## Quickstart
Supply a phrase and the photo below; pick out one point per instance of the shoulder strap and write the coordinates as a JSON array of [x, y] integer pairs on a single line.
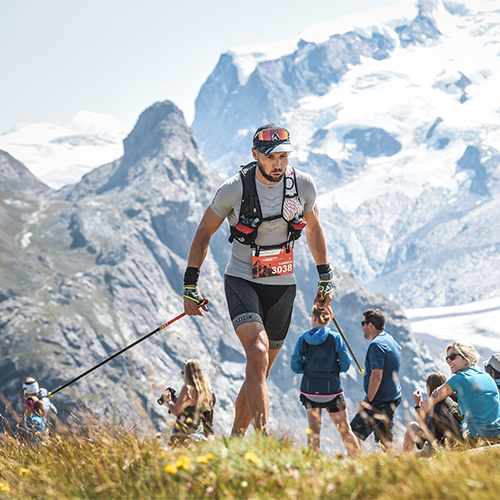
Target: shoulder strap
[[290, 183], [250, 204]]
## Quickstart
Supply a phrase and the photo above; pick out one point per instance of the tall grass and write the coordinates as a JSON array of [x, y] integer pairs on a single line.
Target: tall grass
[[113, 462]]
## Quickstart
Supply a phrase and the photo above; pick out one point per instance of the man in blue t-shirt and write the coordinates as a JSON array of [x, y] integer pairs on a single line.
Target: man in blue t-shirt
[[383, 392]]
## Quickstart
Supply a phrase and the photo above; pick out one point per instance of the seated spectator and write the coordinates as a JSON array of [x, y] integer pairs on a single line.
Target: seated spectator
[[35, 422], [493, 368], [440, 426], [477, 395], [194, 405]]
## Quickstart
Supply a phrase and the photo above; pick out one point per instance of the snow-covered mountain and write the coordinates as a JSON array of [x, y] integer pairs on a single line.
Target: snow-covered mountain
[[476, 323], [63, 155], [395, 112]]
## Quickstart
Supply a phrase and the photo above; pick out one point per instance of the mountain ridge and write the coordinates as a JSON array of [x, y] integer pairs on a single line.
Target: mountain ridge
[[106, 266]]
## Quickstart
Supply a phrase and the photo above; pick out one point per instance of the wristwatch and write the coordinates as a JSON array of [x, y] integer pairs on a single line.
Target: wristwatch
[[418, 406], [169, 400]]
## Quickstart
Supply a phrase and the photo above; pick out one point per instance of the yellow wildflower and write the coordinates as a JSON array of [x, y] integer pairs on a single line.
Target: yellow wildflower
[[172, 468], [4, 487], [183, 462], [163, 454], [23, 472], [252, 457], [204, 459], [309, 431]]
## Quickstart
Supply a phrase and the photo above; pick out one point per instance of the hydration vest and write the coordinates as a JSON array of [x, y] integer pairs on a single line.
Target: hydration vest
[[321, 368], [246, 230]]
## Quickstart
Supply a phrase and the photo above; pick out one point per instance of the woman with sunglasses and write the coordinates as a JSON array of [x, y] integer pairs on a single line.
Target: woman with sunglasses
[[194, 405], [477, 395]]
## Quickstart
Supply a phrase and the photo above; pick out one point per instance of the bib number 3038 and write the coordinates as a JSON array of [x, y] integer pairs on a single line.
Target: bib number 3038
[[275, 262]]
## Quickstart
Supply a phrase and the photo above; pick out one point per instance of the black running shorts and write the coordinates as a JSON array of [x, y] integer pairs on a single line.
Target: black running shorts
[[270, 305], [379, 419], [333, 406]]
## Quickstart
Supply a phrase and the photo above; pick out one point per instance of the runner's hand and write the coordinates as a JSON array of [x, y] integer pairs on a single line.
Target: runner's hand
[[194, 303], [324, 294]]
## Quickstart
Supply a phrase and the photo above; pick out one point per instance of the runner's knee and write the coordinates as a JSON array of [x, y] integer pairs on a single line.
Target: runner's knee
[[258, 357]]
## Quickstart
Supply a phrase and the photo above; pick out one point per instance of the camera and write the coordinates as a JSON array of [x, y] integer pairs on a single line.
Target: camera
[[172, 392]]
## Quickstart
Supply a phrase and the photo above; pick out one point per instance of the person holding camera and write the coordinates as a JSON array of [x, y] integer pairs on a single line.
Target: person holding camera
[[193, 407]]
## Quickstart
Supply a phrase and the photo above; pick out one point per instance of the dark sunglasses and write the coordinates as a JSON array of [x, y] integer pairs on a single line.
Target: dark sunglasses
[[363, 323], [452, 357], [273, 134]]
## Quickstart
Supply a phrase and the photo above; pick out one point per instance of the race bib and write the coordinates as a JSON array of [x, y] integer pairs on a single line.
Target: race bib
[[275, 262]]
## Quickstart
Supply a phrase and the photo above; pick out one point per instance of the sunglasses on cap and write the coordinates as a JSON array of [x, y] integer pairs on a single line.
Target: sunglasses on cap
[[452, 357], [272, 134]]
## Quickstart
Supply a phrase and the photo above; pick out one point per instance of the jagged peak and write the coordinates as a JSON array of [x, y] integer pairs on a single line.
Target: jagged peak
[[161, 144]]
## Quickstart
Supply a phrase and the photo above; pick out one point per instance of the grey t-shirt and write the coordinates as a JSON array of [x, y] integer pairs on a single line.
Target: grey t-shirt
[[227, 202]]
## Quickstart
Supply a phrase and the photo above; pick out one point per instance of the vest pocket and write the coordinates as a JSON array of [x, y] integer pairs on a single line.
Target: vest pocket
[[316, 385]]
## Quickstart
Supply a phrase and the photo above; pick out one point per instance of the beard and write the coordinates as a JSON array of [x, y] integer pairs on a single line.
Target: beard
[[268, 177]]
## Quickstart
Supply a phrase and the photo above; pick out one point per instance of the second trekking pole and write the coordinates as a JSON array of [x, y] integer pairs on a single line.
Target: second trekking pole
[[345, 340], [73, 380]]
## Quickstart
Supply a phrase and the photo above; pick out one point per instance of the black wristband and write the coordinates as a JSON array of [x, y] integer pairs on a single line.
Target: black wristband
[[191, 276], [324, 269]]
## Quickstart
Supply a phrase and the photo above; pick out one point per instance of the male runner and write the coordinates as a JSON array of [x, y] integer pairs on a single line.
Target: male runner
[[267, 205]]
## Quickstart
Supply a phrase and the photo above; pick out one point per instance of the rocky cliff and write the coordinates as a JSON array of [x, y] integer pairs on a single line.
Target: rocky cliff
[[90, 268]]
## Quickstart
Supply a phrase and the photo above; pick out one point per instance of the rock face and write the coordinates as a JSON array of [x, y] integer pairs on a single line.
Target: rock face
[[103, 265], [392, 117]]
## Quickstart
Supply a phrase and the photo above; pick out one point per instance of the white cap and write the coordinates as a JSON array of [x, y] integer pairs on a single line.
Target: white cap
[[494, 362], [31, 389]]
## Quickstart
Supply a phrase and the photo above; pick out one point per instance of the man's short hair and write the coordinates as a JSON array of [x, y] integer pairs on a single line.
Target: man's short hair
[[376, 317]]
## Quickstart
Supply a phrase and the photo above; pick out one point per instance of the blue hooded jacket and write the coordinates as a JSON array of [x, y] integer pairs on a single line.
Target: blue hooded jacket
[[320, 354]]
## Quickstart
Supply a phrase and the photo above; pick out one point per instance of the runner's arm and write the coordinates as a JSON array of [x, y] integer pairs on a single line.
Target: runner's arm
[[201, 239], [315, 237], [317, 246], [198, 252]]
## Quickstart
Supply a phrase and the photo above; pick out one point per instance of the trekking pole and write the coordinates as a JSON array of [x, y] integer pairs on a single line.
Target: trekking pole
[[345, 340], [73, 380]]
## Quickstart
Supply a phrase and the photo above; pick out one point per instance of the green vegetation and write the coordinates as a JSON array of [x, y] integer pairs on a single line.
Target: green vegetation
[[110, 462]]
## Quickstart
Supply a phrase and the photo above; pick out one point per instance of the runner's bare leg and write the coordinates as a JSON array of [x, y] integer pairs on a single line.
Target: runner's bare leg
[[252, 403]]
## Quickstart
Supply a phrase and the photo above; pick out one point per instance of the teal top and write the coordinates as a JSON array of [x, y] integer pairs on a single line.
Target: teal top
[[478, 400]]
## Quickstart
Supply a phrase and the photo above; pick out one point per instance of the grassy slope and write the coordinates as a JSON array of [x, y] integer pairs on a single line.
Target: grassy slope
[[112, 463]]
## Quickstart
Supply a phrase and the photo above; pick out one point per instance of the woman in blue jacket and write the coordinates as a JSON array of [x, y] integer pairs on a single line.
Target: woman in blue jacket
[[321, 355]]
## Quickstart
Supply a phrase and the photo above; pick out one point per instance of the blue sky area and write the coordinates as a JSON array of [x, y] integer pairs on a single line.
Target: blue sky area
[[58, 57]]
